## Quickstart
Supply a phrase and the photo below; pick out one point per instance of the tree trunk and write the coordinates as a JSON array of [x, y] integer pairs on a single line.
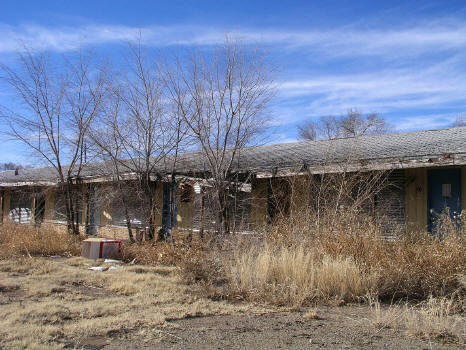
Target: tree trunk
[[223, 215], [72, 225], [151, 187], [128, 223]]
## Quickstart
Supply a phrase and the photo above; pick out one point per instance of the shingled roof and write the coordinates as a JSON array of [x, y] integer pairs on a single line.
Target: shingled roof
[[371, 152]]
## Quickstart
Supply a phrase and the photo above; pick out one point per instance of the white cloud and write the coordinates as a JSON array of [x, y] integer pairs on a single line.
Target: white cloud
[[440, 86], [424, 122], [415, 86], [341, 41]]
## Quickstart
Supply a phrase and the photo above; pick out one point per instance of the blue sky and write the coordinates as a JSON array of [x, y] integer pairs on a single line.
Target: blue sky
[[403, 59]]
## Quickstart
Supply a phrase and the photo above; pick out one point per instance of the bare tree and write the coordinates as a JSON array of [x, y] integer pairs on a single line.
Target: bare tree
[[350, 125], [222, 97], [13, 166], [140, 134], [58, 99], [459, 121]]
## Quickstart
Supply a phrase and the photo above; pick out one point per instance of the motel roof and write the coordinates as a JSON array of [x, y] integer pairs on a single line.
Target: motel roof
[[370, 152]]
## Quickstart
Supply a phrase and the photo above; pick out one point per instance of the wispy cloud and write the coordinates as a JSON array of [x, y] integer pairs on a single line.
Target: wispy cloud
[[425, 69], [439, 86], [341, 41], [423, 122]]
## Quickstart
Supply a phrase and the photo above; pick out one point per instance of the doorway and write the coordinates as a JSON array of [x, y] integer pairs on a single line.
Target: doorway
[[444, 191]]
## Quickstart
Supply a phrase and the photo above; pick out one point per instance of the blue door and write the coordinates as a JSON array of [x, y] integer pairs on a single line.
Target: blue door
[[444, 191], [169, 208]]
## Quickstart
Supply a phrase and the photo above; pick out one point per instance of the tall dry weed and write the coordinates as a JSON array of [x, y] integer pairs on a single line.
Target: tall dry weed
[[24, 240], [344, 259], [295, 275]]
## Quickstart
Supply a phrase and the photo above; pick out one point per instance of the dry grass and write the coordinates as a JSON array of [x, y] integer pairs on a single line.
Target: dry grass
[[46, 304], [342, 260], [433, 319], [413, 266], [23, 240], [294, 275], [299, 263]]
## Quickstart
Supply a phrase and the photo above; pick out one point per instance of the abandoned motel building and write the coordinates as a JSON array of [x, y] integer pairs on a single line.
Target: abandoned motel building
[[426, 171]]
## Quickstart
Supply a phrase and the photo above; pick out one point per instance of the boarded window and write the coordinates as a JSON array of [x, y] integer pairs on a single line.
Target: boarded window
[[20, 206]]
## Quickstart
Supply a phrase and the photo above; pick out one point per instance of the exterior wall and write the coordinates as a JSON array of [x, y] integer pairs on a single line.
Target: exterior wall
[[158, 203], [33, 210], [259, 204], [403, 202], [463, 189], [300, 194], [416, 199], [185, 214], [49, 204], [84, 204], [6, 204]]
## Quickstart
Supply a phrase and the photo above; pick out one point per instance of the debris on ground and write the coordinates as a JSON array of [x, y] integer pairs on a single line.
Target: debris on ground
[[102, 268]]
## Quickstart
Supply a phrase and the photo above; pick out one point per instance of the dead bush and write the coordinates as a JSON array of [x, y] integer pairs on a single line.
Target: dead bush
[[413, 266], [24, 240], [343, 259]]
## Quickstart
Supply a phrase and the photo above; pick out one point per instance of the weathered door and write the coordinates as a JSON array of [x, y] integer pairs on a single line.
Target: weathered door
[[444, 191]]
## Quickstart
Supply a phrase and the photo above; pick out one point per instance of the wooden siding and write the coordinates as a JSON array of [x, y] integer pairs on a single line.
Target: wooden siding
[[416, 199]]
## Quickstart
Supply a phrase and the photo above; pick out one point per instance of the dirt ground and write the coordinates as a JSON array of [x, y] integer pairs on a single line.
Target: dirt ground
[[58, 303], [345, 327]]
